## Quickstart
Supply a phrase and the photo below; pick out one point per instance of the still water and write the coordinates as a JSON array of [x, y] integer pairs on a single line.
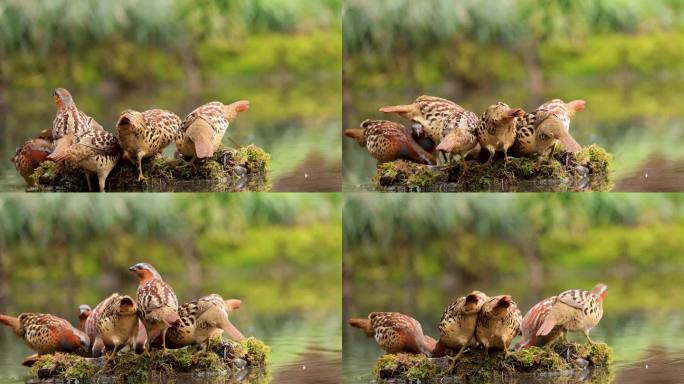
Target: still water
[[648, 343], [637, 122], [286, 120]]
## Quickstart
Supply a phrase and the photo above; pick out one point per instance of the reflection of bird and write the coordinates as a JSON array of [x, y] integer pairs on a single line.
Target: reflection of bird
[[157, 302], [388, 141], [395, 332], [30, 154], [84, 312], [81, 140], [451, 127], [113, 324], [45, 333], [540, 130], [457, 326], [145, 134], [202, 130], [498, 323], [201, 320], [497, 130], [575, 310]]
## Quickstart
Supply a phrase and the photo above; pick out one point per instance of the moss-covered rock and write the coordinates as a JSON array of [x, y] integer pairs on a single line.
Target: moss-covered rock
[[244, 168], [561, 360], [589, 169], [224, 359]]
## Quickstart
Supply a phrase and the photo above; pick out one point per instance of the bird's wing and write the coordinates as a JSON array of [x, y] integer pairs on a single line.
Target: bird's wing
[[101, 141], [574, 298]]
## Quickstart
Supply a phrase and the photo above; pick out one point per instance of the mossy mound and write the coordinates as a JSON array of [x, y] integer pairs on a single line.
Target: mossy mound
[[562, 360], [244, 168], [589, 169], [224, 359]]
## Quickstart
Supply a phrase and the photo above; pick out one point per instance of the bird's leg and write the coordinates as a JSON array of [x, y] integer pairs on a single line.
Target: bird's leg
[[454, 359], [586, 334], [140, 172], [553, 148], [506, 351], [465, 165], [491, 156], [164, 340], [90, 187], [101, 181]]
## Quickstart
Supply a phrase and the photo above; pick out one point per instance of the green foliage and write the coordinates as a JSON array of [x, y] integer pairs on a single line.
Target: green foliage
[[412, 366]]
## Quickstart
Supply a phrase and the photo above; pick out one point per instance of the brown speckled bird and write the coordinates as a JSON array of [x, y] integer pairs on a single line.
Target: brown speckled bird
[[539, 131], [201, 320], [145, 134], [457, 326], [498, 323], [69, 122], [45, 333], [31, 154], [575, 310], [157, 302], [395, 332], [84, 312], [113, 325], [444, 122], [497, 130], [203, 129], [388, 141]]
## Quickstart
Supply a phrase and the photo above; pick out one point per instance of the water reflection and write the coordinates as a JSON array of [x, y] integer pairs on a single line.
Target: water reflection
[[638, 123]]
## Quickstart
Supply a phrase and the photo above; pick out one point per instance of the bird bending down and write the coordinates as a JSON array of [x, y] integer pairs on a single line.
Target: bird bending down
[[45, 333], [457, 326], [498, 323], [203, 129], [388, 141], [112, 325], [395, 332], [575, 310], [497, 130], [539, 131], [157, 303]]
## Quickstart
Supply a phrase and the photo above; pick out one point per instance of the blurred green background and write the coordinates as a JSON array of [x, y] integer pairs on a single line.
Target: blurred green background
[[415, 254], [282, 55], [280, 254], [624, 57]]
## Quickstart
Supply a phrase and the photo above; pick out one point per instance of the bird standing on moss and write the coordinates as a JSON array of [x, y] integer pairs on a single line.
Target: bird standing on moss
[[539, 131], [497, 130], [45, 333], [201, 320], [574, 310], [388, 141], [31, 154], [457, 326], [498, 323], [113, 324], [145, 134], [396, 332], [157, 303], [203, 129]]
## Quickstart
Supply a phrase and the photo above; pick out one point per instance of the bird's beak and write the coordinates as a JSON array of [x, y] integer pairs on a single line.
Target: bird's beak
[[132, 268]]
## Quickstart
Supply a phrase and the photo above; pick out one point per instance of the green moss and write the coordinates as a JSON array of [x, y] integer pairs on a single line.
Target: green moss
[[411, 366], [69, 367], [253, 158], [257, 352], [560, 359], [562, 171]]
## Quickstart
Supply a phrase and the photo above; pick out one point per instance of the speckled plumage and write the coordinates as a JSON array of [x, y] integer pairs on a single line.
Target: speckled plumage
[[145, 134], [395, 332], [387, 141], [457, 326], [31, 154], [113, 324], [45, 333], [498, 128], [539, 131], [203, 129], [202, 319], [498, 323], [575, 310]]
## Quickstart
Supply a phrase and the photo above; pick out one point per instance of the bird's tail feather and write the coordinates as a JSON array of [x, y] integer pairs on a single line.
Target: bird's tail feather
[[363, 324], [547, 326], [397, 108], [233, 304], [10, 321]]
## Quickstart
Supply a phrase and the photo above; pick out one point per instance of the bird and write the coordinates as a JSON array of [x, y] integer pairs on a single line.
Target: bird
[[202, 319], [113, 325], [46, 333], [498, 128], [69, 121], [396, 332], [388, 141], [31, 154], [157, 303], [84, 311], [457, 326], [539, 131], [203, 129], [498, 322], [147, 133], [445, 123], [575, 310]]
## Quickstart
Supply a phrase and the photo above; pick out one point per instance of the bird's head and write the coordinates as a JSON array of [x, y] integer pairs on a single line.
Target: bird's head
[[74, 340], [84, 311], [474, 301], [553, 127], [62, 98], [501, 114], [145, 271]]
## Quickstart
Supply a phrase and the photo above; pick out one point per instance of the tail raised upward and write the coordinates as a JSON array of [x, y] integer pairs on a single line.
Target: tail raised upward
[[11, 322], [363, 324], [233, 304], [356, 134]]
